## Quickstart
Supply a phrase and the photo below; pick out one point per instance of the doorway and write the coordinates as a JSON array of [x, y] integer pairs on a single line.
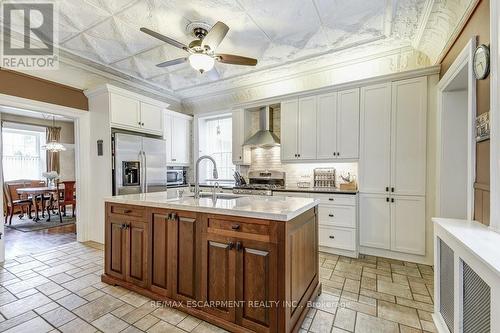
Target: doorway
[[39, 182], [456, 160]]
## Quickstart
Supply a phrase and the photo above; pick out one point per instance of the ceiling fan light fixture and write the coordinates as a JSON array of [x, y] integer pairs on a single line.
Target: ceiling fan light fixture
[[201, 62]]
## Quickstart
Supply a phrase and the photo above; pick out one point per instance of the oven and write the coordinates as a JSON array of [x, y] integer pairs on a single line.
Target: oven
[[176, 176]]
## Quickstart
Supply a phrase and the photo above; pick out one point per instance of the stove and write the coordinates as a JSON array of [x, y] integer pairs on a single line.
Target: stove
[[262, 182]]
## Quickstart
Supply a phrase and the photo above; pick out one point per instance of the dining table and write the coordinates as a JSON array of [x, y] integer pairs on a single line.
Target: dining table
[[34, 193]]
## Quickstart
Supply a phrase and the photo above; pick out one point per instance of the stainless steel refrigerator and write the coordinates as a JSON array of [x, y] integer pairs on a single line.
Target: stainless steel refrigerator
[[139, 164]]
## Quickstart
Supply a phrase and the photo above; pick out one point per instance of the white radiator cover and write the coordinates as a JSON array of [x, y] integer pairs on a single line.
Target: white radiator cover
[[467, 277]]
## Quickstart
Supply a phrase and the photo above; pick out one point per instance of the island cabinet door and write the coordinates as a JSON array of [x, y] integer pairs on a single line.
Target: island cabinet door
[[137, 252], [256, 285], [218, 276], [186, 257], [161, 250], [115, 248]]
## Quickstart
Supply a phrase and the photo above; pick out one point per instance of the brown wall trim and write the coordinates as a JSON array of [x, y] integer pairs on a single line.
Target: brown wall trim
[[30, 87]]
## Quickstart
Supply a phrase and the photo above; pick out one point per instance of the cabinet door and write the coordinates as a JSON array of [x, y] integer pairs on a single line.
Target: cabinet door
[[256, 283], [241, 155], [409, 108], [186, 257], [124, 111], [408, 224], [374, 221], [115, 248], [167, 135], [137, 253], [327, 126], [375, 132], [348, 124], [307, 128], [161, 250], [218, 276], [180, 140], [289, 129], [152, 118]]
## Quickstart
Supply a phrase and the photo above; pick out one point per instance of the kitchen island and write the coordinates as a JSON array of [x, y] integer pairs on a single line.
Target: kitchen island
[[246, 264]]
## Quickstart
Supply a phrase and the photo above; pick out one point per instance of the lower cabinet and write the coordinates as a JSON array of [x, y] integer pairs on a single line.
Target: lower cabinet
[[244, 272], [392, 222], [127, 252]]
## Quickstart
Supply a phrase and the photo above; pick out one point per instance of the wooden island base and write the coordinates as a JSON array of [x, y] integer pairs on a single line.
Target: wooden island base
[[242, 274]]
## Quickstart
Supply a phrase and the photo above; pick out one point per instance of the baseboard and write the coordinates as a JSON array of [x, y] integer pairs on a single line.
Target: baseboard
[[340, 252], [396, 255]]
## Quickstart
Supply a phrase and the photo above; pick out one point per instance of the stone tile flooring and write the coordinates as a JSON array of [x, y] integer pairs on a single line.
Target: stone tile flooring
[[59, 290]]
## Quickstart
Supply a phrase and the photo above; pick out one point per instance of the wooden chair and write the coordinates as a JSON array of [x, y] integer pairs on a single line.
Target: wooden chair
[[45, 200], [66, 196], [15, 203]]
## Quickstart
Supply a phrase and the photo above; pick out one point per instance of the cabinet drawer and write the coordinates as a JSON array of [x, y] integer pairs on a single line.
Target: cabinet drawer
[[340, 216], [237, 227], [126, 210], [339, 238], [335, 199]]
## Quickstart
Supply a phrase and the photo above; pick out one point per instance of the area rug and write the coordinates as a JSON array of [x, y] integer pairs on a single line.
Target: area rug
[[27, 225]]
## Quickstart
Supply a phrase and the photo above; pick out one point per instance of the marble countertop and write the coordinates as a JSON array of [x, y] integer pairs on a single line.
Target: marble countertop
[[480, 240], [255, 206], [315, 190]]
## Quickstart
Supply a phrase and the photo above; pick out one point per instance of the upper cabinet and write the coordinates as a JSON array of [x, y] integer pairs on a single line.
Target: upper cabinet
[[323, 127], [393, 137], [127, 110], [241, 154], [178, 137]]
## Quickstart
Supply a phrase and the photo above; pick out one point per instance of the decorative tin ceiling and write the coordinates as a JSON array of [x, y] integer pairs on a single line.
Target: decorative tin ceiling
[[276, 32]]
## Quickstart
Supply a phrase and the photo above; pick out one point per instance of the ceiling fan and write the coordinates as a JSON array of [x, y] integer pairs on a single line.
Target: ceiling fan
[[202, 55]]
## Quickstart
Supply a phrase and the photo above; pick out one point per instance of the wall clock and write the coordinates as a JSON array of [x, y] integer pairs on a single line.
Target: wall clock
[[481, 62]]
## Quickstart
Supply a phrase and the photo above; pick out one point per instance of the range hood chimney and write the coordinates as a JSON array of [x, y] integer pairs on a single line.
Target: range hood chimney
[[265, 136]]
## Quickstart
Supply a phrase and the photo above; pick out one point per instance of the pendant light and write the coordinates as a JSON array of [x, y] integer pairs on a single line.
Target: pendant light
[[54, 146]]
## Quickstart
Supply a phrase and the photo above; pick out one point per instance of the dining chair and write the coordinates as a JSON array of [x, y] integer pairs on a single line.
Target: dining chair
[[44, 200], [66, 196], [15, 203]]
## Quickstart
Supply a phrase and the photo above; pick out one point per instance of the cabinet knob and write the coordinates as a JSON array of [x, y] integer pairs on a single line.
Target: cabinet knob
[[331, 215], [299, 155], [235, 227], [392, 199], [139, 123], [331, 199], [392, 189], [239, 246], [387, 199], [127, 211], [142, 124], [387, 188], [331, 237], [230, 245], [174, 159]]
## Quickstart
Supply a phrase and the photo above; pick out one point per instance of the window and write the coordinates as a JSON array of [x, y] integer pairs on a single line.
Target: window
[[22, 154], [216, 141]]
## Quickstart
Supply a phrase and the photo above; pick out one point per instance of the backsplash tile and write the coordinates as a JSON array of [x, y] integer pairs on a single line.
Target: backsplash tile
[[269, 158]]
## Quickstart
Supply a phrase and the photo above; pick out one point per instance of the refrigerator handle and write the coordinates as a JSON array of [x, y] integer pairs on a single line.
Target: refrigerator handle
[[141, 170], [145, 173]]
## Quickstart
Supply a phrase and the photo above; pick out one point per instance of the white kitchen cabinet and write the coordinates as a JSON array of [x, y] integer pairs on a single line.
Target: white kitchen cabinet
[[307, 128], [152, 118], [375, 221], [347, 129], [408, 138], [289, 129], [327, 125], [375, 143], [241, 154], [130, 113], [337, 238], [408, 224], [178, 138], [124, 111]]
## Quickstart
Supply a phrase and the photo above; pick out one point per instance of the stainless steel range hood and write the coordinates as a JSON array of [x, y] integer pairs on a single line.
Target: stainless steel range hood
[[265, 136]]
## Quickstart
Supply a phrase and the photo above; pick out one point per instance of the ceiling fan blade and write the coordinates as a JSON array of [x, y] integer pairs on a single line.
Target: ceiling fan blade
[[166, 39], [236, 59], [215, 36], [172, 62]]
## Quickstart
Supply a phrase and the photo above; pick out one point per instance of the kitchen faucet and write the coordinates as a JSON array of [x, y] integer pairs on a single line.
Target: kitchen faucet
[[197, 174]]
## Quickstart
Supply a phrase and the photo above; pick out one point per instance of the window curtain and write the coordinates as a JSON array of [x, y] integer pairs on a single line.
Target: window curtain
[[53, 134]]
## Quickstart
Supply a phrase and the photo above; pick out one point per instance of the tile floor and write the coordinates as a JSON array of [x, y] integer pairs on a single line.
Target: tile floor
[[59, 290]]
